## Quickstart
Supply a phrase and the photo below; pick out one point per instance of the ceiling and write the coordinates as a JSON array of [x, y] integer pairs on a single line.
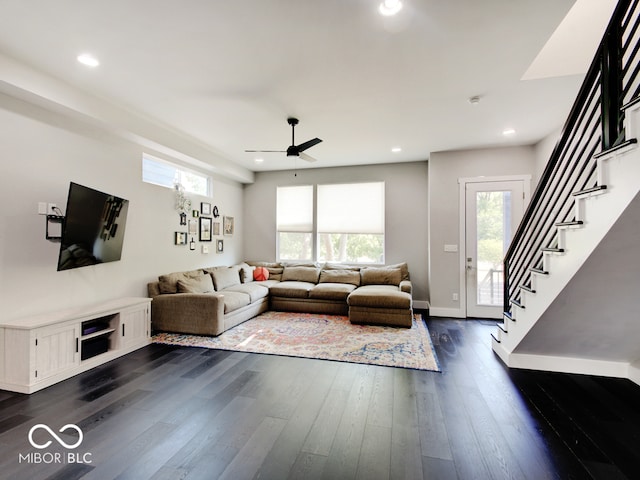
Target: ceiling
[[227, 74]]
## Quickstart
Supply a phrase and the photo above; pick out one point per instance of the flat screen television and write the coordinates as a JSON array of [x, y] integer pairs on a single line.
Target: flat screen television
[[93, 228]]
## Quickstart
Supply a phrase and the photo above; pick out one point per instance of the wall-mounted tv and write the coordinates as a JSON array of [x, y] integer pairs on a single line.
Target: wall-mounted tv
[[93, 228]]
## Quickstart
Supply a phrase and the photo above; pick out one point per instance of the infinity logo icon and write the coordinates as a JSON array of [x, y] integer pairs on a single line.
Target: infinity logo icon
[[53, 434]]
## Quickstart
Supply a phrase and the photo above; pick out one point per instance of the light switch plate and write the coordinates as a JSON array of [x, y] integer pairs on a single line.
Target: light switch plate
[[451, 248]]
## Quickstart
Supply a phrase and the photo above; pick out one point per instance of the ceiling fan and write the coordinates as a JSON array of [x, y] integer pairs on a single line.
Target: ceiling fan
[[294, 150]]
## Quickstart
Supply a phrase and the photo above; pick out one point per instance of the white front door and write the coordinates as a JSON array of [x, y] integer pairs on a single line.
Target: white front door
[[493, 210]]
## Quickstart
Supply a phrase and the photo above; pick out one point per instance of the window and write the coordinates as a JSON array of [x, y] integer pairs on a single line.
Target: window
[[166, 174], [350, 223], [347, 226], [294, 218]]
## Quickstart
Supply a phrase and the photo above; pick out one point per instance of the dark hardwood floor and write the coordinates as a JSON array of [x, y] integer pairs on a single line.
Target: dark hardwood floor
[[172, 413]]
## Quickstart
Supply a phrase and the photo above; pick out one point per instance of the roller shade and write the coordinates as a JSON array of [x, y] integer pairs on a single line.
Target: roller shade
[[351, 208], [295, 209]]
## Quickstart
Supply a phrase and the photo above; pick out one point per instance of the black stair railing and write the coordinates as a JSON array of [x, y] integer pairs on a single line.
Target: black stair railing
[[595, 124]]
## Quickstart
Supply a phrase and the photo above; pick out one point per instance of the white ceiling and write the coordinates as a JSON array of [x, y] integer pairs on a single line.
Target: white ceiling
[[229, 73]]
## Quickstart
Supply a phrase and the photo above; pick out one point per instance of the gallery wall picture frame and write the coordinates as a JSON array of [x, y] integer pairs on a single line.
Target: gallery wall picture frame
[[205, 229], [180, 238], [216, 228], [227, 225], [205, 208], [195, 213], [219, 245], [193, 227]]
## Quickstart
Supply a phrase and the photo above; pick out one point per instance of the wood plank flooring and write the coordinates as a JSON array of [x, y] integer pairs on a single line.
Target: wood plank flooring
[[183, 413]]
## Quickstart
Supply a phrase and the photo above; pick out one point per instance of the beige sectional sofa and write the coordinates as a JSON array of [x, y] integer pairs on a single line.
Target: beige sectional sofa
[[212, 300]]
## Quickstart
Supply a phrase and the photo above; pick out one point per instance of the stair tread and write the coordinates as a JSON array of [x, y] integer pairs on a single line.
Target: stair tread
[[508, 316], [501, 327], [589, 190], [494, 337], [552, 250], [538, 270], [572, 223], [517, 303], [631, 103], [527, 288], [621, 146]]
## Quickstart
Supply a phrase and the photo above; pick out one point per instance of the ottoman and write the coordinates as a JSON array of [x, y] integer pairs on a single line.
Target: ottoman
[[380, 305]]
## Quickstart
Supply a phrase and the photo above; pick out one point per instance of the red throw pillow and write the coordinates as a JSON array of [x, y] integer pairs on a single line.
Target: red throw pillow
[[260, 274]]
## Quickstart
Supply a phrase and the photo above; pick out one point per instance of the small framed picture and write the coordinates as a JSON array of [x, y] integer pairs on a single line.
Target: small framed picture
[[180, 238], [228, 225], [193, 227], [219, 246], [195, 213], [205, 229], [216, 228], [205, 208]]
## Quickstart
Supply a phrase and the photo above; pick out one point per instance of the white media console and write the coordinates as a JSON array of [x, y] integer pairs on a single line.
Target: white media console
[[41, 350]]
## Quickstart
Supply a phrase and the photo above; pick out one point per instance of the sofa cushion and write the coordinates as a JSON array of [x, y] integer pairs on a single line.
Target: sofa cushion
[[404, 269], [201, 284], [292, 289], [340, 276], [226, 277], [234, 300], [253, 289], [379, 296], [246, 273], [381, 276], [169, 283], [301, 274], [331, 291]]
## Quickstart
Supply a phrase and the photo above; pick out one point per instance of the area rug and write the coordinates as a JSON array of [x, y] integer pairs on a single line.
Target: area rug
[[326, 337]]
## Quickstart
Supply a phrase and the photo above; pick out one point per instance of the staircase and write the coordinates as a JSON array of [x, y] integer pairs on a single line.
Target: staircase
[[572, 272]]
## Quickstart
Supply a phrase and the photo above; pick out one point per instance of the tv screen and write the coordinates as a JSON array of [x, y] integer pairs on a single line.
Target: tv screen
[[93, 228]]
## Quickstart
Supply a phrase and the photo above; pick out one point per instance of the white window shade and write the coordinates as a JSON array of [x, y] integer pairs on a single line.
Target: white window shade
[[295, 209], [351, 208]]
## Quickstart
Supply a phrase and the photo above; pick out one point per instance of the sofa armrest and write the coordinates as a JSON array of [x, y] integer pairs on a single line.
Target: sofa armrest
[[192, 313], [405, 286]]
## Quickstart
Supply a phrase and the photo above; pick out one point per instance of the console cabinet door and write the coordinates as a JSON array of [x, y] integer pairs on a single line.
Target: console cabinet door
[[56, 350], [134, 326]]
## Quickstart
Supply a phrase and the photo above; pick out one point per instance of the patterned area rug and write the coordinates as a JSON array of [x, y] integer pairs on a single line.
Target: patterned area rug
[[327, 337]]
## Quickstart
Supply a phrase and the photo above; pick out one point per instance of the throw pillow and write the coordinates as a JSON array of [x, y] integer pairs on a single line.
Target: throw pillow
[[340, 276], [381, 276], [169, 282], [226, 277], [260, 274], [301, 274], [246, 273], [201, 284]]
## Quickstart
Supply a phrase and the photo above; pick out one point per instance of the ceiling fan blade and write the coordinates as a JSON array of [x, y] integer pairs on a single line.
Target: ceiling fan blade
[[265, 151], [306, 157], [303, 146]]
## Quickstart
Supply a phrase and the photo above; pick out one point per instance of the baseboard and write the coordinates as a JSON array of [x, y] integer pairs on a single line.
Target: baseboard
[[421, 304], [634, 373], [446, 312], [582, 366]]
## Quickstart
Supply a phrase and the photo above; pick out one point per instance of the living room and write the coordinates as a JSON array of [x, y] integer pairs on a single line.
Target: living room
[[56, 131]]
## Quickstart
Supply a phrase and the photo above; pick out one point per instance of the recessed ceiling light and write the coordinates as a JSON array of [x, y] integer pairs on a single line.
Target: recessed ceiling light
[[509, 131], [259, 160], [88, 60], [396, 149], [390, 7]]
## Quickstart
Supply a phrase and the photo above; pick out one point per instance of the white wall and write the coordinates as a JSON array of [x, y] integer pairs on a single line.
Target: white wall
[[445, 168], [543, 150], [41, 152], [406, 205]]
